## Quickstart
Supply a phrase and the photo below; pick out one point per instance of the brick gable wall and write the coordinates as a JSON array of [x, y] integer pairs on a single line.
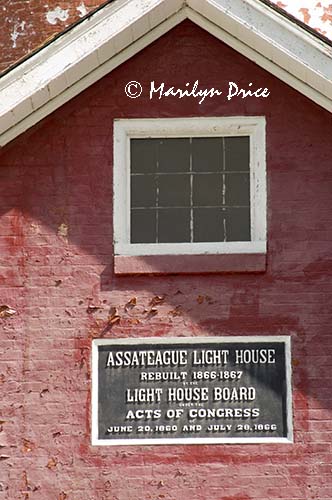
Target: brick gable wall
[[56, 272]]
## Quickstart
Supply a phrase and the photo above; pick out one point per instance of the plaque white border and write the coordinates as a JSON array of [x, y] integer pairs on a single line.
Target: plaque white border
[[95, 441]]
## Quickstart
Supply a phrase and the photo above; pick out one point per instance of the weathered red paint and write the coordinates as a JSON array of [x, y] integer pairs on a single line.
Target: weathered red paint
[[25, 25], [56, 257]]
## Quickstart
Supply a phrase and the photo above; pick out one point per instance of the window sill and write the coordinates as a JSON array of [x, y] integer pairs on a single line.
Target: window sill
[[190, 264]]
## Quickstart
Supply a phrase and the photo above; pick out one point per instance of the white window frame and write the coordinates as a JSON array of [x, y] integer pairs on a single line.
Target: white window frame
[[126, 129]]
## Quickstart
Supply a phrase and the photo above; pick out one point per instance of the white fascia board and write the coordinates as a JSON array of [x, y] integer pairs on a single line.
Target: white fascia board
[[58, 98], [103, 26], [276, 39], [75, 54], [108, 38]]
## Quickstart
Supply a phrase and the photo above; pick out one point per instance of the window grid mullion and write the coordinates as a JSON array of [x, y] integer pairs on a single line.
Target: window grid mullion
[[191, 192], [157, 194], [160, 207], [146, 174], [223, 189]]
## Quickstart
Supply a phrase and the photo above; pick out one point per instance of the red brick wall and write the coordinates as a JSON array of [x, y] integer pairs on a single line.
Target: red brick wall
[[56, 263]]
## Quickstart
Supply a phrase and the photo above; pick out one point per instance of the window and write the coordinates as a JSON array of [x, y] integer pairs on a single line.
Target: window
[[192, 186]]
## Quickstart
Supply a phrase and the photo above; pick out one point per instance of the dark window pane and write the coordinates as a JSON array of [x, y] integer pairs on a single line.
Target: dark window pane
[[237, 189], [208, 224], [174, 155], [143, 155], [237, 222], [174, 190], [207, 154], [143, 191], [207, 189], [237, 153], [174, 225], [143, 226], [219, 194]]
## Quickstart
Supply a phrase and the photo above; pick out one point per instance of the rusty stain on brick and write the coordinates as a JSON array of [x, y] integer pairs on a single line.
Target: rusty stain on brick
[[52, 463], [27, 487], [133, 321], [157, 300], [6, 311], [130, 304], [28, 446], [152, 312], [200, 299], [177, 311], [98, 327], [43, 392], [63, 230], [92, 308]]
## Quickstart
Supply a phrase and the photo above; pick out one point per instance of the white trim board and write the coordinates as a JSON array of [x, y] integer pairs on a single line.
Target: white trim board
[[82, 56]]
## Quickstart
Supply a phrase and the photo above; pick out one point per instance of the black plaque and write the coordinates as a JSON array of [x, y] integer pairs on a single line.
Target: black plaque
[[148, 391]]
